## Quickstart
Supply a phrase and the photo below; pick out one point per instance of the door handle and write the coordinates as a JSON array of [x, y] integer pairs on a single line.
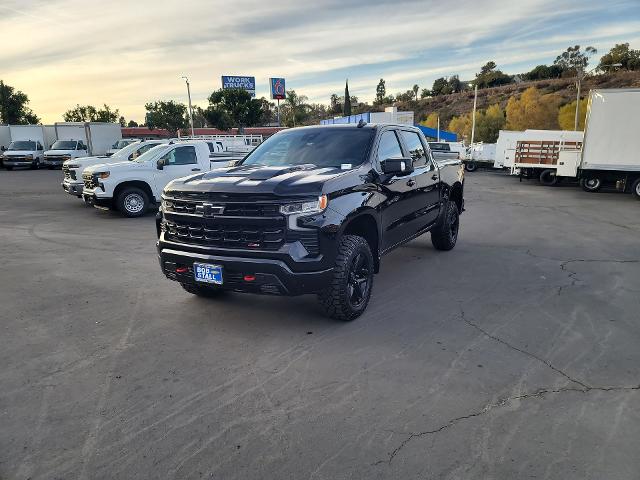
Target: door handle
[[195, 169], [434, 176], [411, 183]]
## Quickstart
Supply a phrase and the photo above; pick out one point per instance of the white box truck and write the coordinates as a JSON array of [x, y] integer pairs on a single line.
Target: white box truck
[[81, 139], [5, 140], [610, 155], [28, 143]]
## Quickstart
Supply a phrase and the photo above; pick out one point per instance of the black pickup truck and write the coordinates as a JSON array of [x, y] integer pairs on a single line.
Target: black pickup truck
[[311, 210]]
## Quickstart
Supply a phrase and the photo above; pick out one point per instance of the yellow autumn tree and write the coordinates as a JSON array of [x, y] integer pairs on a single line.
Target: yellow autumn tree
[[431, 121], [567, 115], [489, 123], [533, 110], [462, 126]]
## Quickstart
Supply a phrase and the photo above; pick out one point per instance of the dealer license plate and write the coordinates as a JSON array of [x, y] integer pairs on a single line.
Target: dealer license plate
[[207, 273]]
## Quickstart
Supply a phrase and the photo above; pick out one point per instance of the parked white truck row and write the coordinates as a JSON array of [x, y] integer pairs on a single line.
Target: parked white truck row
[[34, 146]]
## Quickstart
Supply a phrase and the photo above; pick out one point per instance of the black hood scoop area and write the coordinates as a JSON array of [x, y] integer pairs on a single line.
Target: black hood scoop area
[[265, 173]]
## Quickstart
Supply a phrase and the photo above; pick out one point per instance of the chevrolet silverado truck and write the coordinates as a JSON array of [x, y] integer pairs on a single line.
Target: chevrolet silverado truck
[[131, 187], [311, 210], [72, 169]]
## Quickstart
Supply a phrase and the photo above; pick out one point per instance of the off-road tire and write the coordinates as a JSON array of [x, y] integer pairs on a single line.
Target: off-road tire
[[132, 202], [201, 291], [337, 300], [445, 234], [549, 178]]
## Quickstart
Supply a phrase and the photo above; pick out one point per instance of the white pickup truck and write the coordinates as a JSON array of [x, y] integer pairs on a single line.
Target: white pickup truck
[[72, 169], [132, 186]]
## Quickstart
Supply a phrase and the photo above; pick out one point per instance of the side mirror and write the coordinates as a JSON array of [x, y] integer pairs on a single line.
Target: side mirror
[[161, 164], [397, 166]]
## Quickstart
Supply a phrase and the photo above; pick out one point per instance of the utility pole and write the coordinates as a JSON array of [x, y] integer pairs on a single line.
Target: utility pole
[[186, 79], [473, 119]]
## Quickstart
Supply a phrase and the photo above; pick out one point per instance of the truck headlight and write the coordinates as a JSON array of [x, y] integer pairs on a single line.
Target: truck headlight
[[314, 206], [29, 156], [102, 175]]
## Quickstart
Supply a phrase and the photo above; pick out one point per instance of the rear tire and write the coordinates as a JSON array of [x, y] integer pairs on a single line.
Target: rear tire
[[471, 166], [201, 291], [591, 184], [445, 234], [635, 189], [349, 291], [548, 177], [132, 202]]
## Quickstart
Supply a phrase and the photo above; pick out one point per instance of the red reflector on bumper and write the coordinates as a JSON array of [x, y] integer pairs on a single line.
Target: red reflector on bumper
[[182, 270], [249, 278]]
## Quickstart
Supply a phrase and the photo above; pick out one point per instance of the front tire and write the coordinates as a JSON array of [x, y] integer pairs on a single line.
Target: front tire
[[445, 234], [132, 202], [635, 189], [35, 165], [592, 184], [349, 291], [471, 166]]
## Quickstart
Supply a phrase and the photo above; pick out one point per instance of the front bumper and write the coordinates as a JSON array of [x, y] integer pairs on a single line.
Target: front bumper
[[18, 162], [91, 197], [73, 188], [267, 275], [54, 162]]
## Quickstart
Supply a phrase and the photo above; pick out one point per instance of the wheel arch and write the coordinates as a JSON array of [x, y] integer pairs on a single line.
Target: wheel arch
[[141, 184], [366, 225]]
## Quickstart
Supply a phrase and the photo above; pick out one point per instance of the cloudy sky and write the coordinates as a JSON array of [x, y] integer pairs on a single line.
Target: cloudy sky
[[126, 53]]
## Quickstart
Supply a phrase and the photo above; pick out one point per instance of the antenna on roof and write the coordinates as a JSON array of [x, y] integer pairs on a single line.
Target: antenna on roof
[[361, 123]]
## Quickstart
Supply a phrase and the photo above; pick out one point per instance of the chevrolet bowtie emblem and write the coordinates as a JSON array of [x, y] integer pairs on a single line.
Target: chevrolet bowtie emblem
[[209, 210]]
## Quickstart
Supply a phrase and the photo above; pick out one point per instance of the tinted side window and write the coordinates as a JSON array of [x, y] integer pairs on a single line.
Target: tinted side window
[[182, 156], [389, 147], [415, 147]]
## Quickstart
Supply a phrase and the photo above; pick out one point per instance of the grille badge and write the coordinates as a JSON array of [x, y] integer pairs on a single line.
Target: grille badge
[[209, 210]]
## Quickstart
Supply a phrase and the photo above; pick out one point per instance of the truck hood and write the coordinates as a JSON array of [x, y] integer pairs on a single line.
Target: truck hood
[[292, 180], [19, 153], [85, 162], [118, 165], [59, 152]]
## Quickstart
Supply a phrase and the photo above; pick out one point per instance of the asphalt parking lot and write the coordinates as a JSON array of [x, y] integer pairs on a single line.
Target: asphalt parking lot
[[516, 355]]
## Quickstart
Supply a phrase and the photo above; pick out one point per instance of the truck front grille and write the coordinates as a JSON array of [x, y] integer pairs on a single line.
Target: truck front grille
[[89, 181], [238, 209], [68, 173], [213, 234]]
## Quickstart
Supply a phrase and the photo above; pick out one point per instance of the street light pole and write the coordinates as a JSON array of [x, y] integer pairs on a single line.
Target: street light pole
[[473, 119], [186, 79]]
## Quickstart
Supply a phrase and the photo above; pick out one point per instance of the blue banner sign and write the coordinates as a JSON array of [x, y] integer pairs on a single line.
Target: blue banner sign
[[245, 83], [277, 88]]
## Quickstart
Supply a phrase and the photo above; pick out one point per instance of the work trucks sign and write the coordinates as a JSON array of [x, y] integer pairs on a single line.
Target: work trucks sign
[[244, 83]]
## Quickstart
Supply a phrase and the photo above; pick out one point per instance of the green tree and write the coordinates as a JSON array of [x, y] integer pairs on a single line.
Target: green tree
[[489, 123], [415, 89], [132, 123], [233, 107], [440, 87], [295, 108], [622, 54], [489, 76], [543, 72], [89, 113], [574, 59], [169, 115], [533, 110], [455, 85], [347, 100], [567, 115], [425, 93], [381, 92], [13, 107]]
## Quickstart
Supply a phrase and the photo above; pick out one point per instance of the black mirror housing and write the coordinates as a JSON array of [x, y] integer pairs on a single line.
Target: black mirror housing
[[397, 166]]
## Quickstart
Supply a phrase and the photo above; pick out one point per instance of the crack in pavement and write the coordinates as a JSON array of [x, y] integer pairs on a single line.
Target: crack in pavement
[[524, 352], [540, 393]]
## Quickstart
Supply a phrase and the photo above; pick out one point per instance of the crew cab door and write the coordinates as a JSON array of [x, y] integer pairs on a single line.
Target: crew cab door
[[426, 202], [178, 162], [397, 211]]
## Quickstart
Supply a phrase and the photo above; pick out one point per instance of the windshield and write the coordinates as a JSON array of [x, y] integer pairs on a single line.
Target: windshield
[[22, 145], [149, 154], [64, 145], [320, 146], [121, 144]]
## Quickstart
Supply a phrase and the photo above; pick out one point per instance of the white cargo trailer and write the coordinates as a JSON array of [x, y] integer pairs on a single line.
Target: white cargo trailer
[[81, 139], [610, 155], [480, 155]]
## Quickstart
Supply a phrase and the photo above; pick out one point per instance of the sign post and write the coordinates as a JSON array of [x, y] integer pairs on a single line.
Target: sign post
[[278, 92]]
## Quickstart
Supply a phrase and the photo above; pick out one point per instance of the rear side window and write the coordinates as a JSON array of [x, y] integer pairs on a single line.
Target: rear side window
[[440, 147], [416, 148], [389, 147]]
